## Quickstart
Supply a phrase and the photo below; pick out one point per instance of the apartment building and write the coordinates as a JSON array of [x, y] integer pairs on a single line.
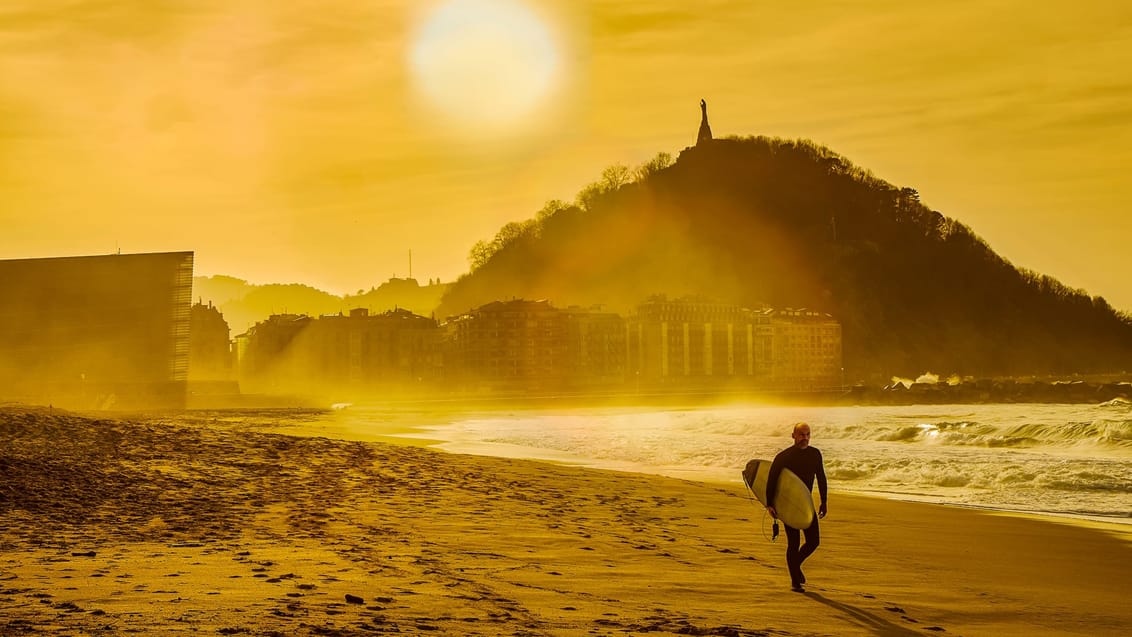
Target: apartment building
[[507, 346], [697, 343], [805, 349], [523, 346], [354, 353], [210, 351]]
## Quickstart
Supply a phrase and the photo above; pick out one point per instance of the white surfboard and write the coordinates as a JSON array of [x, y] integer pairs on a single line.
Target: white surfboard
[[793, 502]]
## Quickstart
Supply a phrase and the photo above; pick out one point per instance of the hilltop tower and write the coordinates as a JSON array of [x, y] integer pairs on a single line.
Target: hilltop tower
[[705, 130]]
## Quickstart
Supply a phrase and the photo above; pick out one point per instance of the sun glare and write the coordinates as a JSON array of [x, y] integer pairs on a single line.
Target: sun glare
[[484, 65]]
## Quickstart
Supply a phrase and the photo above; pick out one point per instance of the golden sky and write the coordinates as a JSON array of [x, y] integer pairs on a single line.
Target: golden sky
[[318, 141]]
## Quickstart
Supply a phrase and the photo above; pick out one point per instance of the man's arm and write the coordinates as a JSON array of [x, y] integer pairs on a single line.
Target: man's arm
[[823, 487]]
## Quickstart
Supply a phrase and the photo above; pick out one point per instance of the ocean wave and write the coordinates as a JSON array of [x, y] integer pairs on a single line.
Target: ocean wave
[[1020, 457], [1014, 476], [914, 432], [986, 475], [1016, 426], [1086, 481], [945, 479], [1096, 433], [846, 474]]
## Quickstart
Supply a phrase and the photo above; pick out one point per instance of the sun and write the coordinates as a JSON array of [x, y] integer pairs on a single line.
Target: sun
[[484, 65]]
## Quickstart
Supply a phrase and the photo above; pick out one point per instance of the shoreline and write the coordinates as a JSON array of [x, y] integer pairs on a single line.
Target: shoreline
[[136, 525], [419, 431], [411, 423]]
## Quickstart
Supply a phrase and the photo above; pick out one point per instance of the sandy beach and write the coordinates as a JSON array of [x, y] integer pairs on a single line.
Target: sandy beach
[[138, 526]]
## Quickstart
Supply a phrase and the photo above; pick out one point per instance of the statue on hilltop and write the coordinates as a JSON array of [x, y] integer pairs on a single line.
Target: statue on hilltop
[[705, 130]]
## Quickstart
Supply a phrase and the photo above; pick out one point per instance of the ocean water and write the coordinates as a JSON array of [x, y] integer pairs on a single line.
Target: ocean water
[[1065, 460], [1057, 459]]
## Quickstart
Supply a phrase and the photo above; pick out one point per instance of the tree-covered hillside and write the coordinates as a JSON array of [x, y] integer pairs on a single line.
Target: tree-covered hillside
[[758, 221]]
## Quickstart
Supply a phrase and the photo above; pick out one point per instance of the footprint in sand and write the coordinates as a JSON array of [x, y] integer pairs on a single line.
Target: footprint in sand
[[905, 617]]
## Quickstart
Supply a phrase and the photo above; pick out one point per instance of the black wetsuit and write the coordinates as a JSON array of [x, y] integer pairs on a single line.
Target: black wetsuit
[[806, 464]]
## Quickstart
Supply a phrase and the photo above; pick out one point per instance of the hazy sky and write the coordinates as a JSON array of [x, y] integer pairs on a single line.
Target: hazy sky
[[318, 141]]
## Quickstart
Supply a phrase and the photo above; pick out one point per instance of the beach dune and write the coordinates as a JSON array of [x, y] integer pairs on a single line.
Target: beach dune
[[213, 527]]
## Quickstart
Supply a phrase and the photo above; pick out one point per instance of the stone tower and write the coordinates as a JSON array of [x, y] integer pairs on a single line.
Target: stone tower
[[705, 130]]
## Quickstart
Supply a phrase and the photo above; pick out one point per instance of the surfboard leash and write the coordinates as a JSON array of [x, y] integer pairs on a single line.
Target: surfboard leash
[[774, 529]]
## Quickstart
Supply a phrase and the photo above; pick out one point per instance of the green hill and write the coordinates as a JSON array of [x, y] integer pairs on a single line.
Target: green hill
[[759, 221]]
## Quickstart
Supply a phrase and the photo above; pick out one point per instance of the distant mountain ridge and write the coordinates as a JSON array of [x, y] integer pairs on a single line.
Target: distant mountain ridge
[[759, 221], [244, 304]]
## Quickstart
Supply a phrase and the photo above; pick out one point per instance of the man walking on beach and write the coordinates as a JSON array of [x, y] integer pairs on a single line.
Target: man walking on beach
[[806, 463]]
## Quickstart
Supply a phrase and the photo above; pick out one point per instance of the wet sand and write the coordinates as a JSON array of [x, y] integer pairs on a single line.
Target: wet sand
[[215, 527]]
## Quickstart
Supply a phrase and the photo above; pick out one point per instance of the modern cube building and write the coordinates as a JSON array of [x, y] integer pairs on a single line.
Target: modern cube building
[[109, 331]]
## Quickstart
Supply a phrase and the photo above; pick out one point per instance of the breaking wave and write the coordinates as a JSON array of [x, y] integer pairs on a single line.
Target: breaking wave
[[1049, 458]]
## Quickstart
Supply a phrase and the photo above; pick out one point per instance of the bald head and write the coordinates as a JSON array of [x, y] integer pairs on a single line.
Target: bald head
[[801, 435]]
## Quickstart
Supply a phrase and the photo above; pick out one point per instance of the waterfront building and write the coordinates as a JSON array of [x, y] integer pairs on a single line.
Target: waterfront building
[[210, 350], [105, 331], [805, 349], [597, 358], [531, 347], [355, 354], [515, 345], [694, 343]]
